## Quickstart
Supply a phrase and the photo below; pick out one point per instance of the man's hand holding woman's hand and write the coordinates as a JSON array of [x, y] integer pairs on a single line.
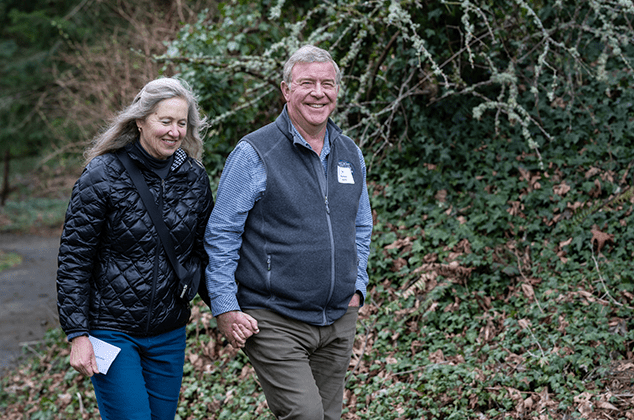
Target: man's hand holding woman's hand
[[237, 327]]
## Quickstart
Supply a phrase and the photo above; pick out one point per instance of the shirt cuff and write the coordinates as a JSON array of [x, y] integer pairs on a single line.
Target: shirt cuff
[[361, 289], [224, 303]]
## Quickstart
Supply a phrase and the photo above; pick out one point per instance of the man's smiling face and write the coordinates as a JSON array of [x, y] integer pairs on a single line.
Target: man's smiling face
[[312, 95]]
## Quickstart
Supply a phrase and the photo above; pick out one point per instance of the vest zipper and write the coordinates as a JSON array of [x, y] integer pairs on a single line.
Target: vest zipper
[[268, 272], [322, 174]]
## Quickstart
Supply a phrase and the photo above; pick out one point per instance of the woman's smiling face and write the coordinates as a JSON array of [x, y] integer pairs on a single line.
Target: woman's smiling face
[[163, 131]]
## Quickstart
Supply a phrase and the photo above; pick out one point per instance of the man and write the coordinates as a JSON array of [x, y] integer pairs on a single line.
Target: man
[[288, 241]]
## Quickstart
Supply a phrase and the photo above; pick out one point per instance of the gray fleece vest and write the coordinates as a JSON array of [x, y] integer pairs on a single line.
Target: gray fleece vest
[[298, 255]]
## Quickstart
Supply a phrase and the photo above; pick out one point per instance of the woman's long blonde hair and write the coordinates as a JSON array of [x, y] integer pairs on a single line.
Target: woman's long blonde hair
[[123, 129]]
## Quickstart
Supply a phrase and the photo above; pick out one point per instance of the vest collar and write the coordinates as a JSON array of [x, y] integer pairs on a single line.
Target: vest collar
[[285, 125]]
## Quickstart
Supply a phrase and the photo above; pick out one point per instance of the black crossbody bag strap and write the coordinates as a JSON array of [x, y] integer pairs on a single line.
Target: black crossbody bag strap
[[153, 211]]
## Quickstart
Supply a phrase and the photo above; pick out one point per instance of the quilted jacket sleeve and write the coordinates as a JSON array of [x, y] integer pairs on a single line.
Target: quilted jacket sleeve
[[85, 219], [202, 222]]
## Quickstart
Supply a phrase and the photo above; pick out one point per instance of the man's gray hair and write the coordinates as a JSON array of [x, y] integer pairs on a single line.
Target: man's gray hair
[[309, 54]]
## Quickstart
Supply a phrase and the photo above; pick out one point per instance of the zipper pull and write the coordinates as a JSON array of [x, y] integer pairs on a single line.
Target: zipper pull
[[327, 206], [268, 263], [183, 292]]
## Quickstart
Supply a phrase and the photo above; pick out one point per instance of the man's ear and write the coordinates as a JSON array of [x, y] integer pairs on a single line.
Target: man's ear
[[286, 90]]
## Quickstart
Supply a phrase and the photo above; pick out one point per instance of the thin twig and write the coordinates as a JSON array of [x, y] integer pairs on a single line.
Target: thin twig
[[27, 345], [519, 267], [596, 265], [537, 342], [81, 403]]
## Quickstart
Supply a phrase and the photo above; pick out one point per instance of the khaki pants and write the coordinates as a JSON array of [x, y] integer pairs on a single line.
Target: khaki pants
[[302, 367]]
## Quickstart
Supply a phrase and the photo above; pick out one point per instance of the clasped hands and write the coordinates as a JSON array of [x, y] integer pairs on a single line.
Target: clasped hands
[[237, 327]]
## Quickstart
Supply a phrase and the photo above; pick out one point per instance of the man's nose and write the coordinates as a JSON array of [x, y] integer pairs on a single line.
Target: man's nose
[[318, 90]]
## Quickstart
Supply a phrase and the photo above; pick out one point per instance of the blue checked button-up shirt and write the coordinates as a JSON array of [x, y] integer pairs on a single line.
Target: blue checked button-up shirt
[[242, 183]]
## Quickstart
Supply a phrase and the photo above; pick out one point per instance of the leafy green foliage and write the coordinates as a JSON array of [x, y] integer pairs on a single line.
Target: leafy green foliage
[[32, 214], [8, 260], [487, 290], [66, 66], [38, 196], [28, 41], [497, 137]]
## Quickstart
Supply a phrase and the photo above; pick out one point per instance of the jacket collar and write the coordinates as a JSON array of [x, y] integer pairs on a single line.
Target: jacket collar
[[179, 157]]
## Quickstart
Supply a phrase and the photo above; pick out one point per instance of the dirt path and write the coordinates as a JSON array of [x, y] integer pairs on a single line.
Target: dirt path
[[27, 294]]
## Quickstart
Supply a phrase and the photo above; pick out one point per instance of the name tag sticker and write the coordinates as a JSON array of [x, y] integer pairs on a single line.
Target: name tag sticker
[[344, 173]]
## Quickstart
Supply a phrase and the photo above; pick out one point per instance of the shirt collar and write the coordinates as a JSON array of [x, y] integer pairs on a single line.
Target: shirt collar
[[298, 138]]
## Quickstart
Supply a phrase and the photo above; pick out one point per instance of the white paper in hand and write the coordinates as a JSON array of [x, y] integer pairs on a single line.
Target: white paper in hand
[[105, 353]]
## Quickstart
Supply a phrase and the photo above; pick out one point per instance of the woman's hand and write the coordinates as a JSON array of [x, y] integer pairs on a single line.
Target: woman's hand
[[237, 327], [82, 356]]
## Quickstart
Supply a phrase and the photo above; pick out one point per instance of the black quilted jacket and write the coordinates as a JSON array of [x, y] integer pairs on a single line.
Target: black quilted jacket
[[113, 272]]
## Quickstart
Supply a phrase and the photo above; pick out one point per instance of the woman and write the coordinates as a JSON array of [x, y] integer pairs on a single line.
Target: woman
[[114, 280]]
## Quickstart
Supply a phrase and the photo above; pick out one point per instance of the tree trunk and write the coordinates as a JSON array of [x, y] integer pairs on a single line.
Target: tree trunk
[[5, 178]]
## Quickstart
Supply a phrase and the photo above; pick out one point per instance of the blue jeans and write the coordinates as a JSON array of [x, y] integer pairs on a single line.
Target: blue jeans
[[144, 381]]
